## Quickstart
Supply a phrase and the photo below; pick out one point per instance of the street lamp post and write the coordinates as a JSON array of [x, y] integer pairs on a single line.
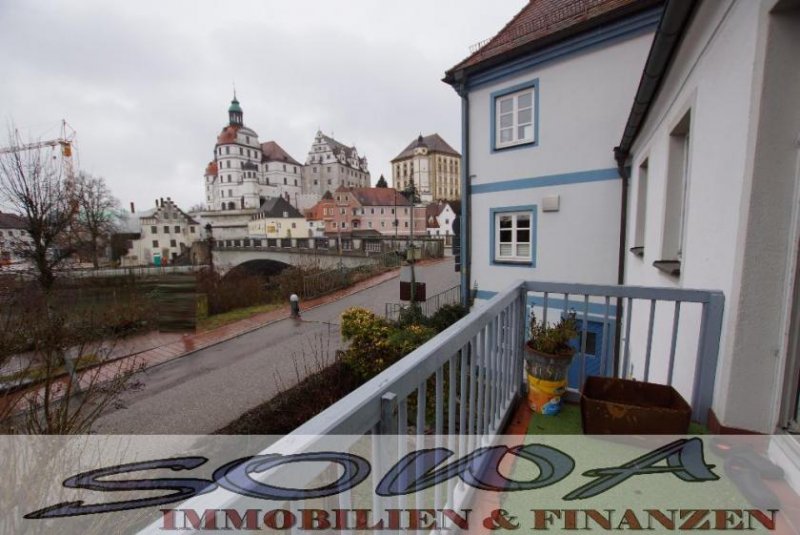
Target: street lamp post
[[210, 242], [411, 191]]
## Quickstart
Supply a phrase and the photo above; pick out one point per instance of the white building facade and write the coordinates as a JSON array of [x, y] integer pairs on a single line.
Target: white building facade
[[244, 173], [165, 234], [440, 221], [432, 165], [714, 201], [278, 219], [13, 240], [542, 191], [331, 165]]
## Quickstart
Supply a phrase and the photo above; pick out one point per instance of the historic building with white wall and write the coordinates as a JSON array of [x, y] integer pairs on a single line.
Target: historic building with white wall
[[714, 196], [13, 240], [244, 173], [277, 218], [432, 165], [703, 191], [541, 189], [441, 218], [331, 165], [165, 233]]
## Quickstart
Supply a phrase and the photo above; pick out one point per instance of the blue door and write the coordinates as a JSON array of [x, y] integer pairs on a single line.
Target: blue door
[[596, 355]]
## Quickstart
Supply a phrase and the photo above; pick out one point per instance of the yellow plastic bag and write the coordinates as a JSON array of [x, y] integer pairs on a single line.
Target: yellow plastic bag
[[544, 396]]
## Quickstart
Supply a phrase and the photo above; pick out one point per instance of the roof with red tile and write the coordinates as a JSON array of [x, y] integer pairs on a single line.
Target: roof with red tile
[[272, 152], [211, 168], [317, 212], [228, 135], [543, 22], [433, 209], [379, 197]]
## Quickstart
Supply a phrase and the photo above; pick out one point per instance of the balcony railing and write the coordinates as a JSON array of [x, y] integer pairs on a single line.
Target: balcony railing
[[468, 379], [474, 370]]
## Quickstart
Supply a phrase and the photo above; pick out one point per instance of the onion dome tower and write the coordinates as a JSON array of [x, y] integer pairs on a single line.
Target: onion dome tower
[[235, 112]]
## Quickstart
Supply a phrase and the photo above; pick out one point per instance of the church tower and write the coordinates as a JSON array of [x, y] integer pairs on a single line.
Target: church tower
[[235, 112]]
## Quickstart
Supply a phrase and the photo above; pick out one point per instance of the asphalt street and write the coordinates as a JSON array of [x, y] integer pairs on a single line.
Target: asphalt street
[[203, 391]]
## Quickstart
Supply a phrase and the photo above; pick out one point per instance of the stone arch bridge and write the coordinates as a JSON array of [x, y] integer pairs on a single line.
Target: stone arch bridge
[[325, 253]]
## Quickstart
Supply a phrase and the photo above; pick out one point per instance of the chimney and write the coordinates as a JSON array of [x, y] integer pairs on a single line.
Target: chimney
[[156, 203], [133, 210]]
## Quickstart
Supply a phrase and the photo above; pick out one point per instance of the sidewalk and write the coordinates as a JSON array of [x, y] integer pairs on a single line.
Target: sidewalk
[[189, 343]]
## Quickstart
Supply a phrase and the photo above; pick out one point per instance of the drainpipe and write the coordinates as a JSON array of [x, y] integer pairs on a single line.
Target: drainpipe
[[621, 157], [466, 208], [671, 28]]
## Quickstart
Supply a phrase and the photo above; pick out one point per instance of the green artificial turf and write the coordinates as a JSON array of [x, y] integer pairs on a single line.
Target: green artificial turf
[[567, 422]]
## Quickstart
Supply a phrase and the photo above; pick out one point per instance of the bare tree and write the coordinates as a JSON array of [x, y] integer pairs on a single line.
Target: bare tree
[[58, 367], [97, 217], [32, 184]]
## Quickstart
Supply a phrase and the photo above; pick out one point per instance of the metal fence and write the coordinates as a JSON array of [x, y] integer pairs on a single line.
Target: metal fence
[[481, 355], [428, 307], [139, 271], [335, 279], [429, 247], [668, 336]]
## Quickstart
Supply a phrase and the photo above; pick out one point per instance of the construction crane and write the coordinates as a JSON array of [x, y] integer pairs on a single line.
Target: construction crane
[[66, 141]]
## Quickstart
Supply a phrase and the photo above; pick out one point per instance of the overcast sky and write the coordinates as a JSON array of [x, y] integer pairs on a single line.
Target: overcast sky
[[147, 84]]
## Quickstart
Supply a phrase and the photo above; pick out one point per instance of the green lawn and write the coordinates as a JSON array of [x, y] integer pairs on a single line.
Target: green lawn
[[218, 320]]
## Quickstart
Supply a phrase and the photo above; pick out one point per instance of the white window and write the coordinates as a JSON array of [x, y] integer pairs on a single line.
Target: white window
[[514, 116], [677, 186], [512, 236], [641, 206]]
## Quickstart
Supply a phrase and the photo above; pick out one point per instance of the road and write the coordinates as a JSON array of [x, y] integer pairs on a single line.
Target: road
[[204, 391]]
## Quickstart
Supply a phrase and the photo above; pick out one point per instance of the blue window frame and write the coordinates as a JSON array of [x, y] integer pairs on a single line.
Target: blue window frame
[[514, 117], [512, 240]]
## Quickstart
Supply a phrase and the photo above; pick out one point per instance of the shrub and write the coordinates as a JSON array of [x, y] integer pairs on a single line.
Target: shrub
[[369, 352], [553, 340], [236, 290], [446, 316], [411, 315], [405, 340]]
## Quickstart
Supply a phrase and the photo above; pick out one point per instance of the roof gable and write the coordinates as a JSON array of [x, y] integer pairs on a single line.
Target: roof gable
[[277, 207], [434, 142], [272, 152], [544, 22]]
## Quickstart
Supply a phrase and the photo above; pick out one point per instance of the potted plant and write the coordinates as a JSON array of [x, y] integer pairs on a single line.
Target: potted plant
[[548, 356]]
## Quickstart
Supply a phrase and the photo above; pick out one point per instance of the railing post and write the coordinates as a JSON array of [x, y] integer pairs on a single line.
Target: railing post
[[707, 354], [388, 423], [519, 350]]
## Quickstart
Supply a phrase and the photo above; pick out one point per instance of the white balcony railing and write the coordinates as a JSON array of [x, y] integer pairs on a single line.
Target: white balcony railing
[[468, 379]]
